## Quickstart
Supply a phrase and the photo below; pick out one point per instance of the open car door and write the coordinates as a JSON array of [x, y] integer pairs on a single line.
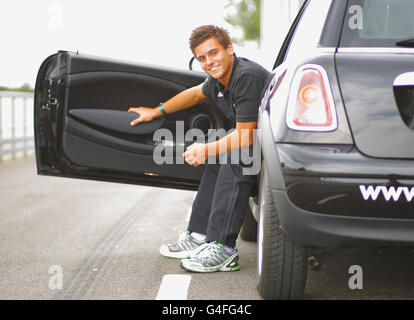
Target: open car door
[[82, 127]]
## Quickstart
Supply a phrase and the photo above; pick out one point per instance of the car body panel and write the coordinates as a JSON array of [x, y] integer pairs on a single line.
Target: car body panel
[[367, 86]]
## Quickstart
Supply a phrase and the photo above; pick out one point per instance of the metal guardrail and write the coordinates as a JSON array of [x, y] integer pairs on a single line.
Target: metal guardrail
[[17, 141]]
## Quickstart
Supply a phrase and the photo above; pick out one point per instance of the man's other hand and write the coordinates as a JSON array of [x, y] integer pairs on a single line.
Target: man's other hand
[[196, 154]]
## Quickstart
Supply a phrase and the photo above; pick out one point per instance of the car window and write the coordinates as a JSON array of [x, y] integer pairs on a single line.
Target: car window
[[377, 23]]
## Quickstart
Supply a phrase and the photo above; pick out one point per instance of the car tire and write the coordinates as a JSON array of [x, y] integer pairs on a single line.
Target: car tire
[[249, 228], [281, 264]]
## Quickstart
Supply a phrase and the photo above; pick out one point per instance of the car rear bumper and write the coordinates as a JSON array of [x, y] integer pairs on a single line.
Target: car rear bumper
[[333, 195], [323, 230]]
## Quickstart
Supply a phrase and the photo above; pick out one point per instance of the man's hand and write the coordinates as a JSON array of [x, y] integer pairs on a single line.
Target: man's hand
[[185, 99], [145, 114], [196, 154]]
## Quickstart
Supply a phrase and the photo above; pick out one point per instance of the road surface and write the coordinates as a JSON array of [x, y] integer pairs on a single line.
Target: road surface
[[77, 239]]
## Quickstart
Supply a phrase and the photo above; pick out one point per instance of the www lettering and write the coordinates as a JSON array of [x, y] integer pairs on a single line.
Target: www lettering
[[389, 193]]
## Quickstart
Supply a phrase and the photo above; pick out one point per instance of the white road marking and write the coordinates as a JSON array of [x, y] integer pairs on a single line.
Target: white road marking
[[174, 287]]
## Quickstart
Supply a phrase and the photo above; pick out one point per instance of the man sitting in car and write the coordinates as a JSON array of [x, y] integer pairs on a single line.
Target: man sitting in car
[[235, 85]]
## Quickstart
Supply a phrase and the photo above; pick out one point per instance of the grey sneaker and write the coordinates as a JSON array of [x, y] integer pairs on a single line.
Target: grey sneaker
[[213, 257], [186, 247]]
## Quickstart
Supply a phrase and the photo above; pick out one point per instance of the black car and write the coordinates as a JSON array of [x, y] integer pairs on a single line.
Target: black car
[[335, 128]]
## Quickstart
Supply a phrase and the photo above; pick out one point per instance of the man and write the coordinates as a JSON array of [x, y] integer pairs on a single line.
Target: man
[[235, 85]]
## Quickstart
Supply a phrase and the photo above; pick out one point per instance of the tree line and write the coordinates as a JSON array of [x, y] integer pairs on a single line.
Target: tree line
[[24, 88]]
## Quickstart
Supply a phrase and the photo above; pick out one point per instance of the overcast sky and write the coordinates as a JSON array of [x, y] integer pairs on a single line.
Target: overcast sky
[[150, 31]]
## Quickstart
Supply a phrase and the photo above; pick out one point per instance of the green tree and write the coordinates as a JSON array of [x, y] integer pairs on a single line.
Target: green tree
[[26, 87], [247, 17]]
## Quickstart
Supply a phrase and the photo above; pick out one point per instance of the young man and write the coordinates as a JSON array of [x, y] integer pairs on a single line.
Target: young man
[[235, 85]]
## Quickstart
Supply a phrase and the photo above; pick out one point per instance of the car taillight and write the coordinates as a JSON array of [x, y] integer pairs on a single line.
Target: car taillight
[[311, 106]]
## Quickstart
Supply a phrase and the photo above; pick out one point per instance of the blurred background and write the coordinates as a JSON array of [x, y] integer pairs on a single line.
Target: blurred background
[[154, 32]]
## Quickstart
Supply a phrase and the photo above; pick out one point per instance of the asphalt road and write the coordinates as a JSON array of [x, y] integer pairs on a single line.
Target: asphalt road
[[76, 239]]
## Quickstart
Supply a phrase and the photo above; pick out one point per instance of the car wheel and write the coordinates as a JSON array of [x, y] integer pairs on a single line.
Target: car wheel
[[249, 228], [281, 263]]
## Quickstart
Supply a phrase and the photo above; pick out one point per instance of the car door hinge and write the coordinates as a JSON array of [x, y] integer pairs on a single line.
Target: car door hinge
[[50, 102]]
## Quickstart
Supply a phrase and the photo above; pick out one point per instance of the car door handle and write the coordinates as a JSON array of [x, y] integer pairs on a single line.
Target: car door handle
[[404, 80]]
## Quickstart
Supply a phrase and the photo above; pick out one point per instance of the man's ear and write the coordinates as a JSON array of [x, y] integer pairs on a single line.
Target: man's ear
[[230, 49]]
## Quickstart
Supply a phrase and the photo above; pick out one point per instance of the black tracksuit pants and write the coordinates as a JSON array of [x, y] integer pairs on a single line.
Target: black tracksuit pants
[[221, 203]]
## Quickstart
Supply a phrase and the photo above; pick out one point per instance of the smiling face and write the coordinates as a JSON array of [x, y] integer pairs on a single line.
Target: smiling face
[[215, 60]]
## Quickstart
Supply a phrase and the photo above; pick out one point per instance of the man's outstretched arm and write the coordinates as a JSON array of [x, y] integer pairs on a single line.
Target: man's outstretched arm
[[181, 101]]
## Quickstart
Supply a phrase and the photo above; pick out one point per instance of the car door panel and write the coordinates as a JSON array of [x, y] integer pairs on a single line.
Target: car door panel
[[82, 127]]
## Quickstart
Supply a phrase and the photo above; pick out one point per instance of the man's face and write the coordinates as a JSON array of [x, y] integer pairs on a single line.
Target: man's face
[[215, 60]]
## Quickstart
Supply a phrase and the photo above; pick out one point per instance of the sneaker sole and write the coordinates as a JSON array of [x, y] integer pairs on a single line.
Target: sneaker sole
[[223, 267]]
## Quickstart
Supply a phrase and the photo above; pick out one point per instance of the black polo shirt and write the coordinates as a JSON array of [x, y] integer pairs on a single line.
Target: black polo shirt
[[240, 100]]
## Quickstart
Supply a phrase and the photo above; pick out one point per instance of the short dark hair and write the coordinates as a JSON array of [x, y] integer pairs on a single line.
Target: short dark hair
[[205, 32]]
